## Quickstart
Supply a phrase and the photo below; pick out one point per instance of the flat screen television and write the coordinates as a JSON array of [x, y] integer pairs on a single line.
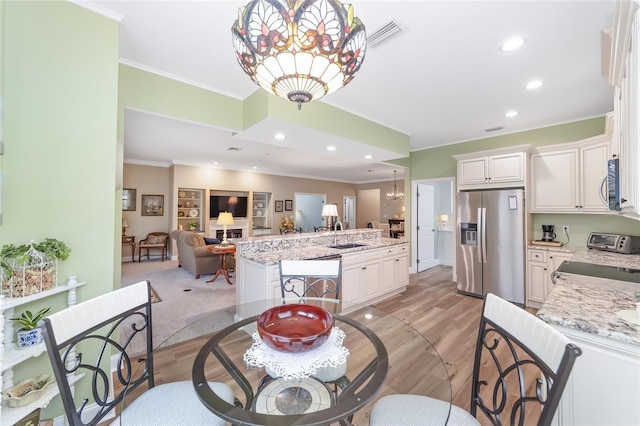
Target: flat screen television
[[236, 205]]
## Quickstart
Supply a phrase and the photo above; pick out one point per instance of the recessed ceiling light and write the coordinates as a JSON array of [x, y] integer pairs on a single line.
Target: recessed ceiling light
[[279, 136], [331, 148], [512, 44], [511, 114], [255, 167], [368, 157], [215, 163], [533, 84]]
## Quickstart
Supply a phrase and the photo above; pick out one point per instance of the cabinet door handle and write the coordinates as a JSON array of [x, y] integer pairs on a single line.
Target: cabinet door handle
[[364, 267], [397, 260]]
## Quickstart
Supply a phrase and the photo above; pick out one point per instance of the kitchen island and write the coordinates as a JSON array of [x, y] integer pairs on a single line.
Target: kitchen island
[[598, 315], [373, 267]]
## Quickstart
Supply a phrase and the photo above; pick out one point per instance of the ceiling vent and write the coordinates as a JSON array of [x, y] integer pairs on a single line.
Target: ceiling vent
[[233, 148], [494, 129], [387, 32]]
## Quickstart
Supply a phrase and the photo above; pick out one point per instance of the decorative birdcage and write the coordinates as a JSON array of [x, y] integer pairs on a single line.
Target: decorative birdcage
[[30, 273]]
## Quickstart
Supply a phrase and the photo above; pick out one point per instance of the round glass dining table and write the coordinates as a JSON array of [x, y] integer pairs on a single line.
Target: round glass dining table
[[385, 356]]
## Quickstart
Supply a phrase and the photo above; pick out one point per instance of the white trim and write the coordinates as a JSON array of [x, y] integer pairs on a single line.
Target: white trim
[[98, 9]]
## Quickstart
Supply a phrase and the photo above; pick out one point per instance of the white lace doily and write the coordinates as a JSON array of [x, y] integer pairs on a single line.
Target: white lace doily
[[298, 365]]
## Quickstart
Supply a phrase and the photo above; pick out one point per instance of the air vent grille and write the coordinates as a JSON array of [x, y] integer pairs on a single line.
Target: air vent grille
[[387, 32], [233, 148], [494, 129]]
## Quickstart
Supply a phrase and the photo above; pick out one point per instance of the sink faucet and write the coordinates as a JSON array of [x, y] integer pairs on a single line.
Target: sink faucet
[[335, 231]]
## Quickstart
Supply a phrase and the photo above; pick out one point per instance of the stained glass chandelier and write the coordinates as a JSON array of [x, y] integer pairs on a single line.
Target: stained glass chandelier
[[300, 50], [395, 195]]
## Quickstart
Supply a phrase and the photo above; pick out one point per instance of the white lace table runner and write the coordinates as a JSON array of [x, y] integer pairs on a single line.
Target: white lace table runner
[[298, 365]]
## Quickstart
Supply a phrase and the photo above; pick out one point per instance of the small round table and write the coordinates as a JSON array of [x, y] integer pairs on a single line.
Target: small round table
[[223, 251]]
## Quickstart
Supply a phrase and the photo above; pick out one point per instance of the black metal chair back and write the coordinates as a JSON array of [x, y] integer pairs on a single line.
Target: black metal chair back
[[310, 278], [521, 365], [82, 340]]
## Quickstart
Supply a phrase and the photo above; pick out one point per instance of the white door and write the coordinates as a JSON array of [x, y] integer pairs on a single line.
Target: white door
[[426, 227], [349, 212]]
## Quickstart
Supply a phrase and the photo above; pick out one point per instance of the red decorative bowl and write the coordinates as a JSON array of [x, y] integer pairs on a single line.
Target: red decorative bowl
[[295, 327]]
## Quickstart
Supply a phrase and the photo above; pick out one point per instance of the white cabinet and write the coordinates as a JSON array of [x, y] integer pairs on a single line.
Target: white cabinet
[[492, 169], [395, 267], [260, 213], [361, 276], [10, 355], [604, 385], [367, 276], [568, 178], [540, 266], [190, 209]]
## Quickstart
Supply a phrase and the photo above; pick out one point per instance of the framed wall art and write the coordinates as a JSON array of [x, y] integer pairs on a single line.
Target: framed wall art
[[128, 199], [288, 205], [152, 205], [278, 205]]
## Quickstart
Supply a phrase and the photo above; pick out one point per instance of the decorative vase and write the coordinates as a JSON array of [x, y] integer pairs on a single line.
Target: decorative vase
[[28, 338]]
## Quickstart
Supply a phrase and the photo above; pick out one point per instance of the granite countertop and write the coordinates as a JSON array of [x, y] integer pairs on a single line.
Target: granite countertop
[[590, 304], [316, 251]]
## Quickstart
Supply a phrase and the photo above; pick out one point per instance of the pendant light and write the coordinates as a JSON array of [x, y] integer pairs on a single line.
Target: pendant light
[[299, 50], [395, 195]]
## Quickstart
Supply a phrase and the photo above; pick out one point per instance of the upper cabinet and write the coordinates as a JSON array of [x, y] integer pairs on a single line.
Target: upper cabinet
[[623, 67], [570, 178], [501, 168]]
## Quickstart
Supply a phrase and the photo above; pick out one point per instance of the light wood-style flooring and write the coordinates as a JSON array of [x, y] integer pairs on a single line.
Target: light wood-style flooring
[[431, 305]]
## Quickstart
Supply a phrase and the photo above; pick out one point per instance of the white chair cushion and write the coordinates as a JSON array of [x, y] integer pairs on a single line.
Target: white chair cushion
[[417, 410], [173, 404]]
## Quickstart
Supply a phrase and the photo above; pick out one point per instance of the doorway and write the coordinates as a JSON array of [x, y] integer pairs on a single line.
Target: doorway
[[433, 244], [349, 210], [308, 211]]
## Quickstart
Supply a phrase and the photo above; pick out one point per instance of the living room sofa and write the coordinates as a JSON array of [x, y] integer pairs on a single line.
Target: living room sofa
[[194, 256]]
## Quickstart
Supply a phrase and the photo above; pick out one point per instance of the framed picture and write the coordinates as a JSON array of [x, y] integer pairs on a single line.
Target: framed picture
[[278, 205], [152, 205], [129, 199], [288, 205]]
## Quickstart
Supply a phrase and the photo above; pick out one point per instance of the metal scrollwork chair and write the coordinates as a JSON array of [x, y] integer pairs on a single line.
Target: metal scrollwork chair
[[532, 363], [315, 279], [83, 338]]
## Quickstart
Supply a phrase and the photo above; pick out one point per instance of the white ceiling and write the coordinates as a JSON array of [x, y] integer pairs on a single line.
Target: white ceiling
[[444, 80]]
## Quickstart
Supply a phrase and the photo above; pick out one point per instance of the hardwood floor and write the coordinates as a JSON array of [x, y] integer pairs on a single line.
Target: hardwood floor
[[431, 305]]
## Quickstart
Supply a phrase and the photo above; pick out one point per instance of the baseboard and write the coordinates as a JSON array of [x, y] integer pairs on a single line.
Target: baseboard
[[445, 262]]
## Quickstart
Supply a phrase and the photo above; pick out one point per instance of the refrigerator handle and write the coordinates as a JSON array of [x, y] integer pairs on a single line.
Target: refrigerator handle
[[479, 236], [483, 235]]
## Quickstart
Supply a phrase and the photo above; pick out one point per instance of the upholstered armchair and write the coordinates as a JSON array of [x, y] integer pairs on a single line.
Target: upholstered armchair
[[194, 256], [154, 241]]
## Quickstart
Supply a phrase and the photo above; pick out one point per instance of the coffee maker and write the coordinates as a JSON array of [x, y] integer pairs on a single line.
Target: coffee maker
[[547, 233]]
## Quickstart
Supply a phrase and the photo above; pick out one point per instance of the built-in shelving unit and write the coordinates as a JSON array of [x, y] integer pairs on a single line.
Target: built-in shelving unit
[[190, 208], [10, 355], [260, 213]]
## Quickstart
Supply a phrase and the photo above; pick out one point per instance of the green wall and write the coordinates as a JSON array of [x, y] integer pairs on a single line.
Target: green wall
[[60, 87], [438, 162]]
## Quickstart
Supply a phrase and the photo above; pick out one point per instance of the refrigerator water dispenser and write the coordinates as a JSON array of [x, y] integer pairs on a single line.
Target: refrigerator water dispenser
[[468, 234]]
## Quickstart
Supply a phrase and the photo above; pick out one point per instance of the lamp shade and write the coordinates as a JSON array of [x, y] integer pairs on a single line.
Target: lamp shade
[[444, 217], [225, 218], [329, 210], [299, 50], [125, 224]]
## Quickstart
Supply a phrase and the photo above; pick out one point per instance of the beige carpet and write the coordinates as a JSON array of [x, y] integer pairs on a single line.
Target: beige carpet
[[184, 299]]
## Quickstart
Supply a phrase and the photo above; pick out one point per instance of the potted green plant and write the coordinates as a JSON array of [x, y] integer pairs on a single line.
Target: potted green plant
[[28, 269], [29, 334], [193, 226]]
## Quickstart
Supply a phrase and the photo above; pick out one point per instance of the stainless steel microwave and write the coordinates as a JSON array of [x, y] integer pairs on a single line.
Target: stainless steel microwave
[[625, 244]]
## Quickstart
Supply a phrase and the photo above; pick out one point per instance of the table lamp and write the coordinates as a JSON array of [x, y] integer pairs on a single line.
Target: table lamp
[[225, 219], [125, 225], [329, 210]]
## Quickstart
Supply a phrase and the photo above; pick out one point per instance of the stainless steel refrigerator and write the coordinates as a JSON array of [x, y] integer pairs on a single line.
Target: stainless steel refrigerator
[[490, 249]]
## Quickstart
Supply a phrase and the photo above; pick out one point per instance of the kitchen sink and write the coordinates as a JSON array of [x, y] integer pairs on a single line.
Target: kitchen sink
[[347, 246]]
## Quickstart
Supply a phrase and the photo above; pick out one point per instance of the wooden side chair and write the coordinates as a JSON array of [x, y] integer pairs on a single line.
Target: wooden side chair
[[83, 338], [154, 241], [520, 369]]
